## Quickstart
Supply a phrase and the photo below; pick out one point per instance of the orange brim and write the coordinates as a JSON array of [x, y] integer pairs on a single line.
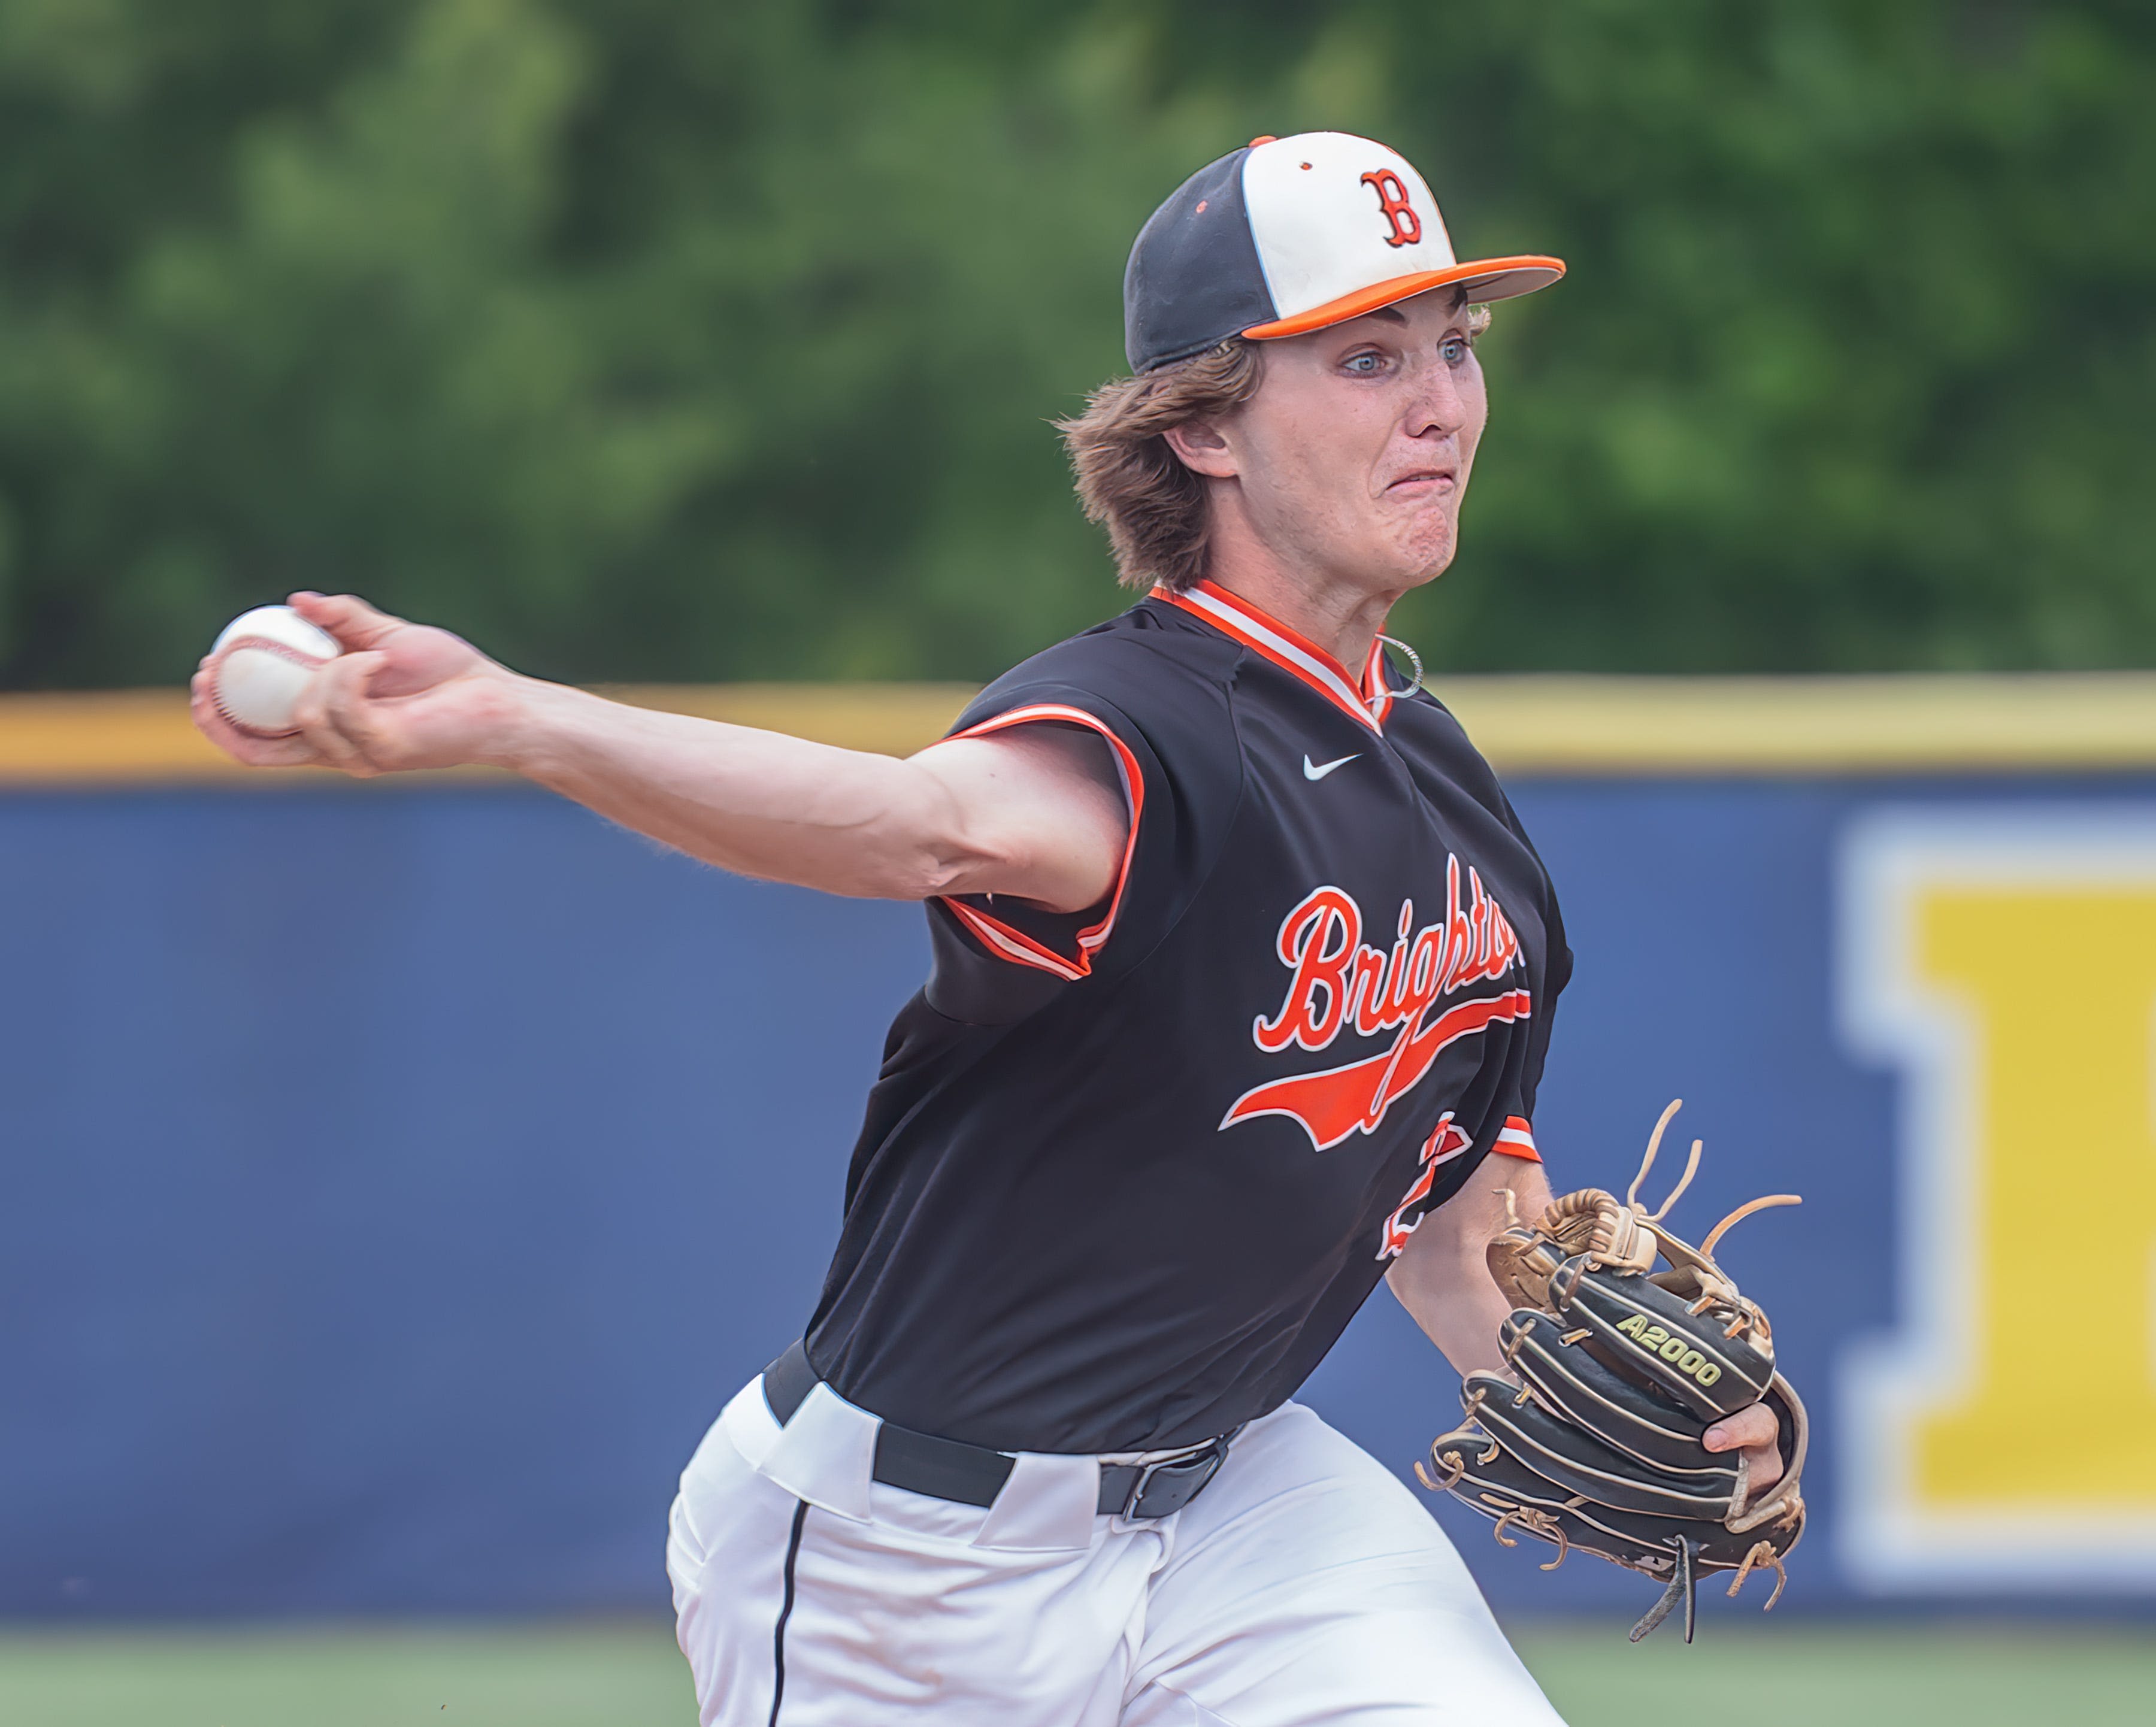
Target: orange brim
[[1487, 278]]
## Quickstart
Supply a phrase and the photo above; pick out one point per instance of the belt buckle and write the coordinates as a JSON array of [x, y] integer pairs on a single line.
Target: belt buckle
[[1198, 1467]]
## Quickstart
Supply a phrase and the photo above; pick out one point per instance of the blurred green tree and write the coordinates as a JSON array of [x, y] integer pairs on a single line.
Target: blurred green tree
[[648, 339]]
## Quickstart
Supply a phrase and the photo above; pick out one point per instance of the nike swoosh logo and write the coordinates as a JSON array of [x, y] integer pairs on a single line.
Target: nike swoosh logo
[[1319, 773]]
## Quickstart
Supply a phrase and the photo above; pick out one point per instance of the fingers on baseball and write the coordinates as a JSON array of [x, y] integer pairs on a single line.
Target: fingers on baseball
[[250, 751], [356, 625], [334, 715]]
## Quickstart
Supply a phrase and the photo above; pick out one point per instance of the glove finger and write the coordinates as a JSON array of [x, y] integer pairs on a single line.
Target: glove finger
[[1651, 1336], [1578, 1461], [1568, 1378], [1498, 1486], [1492, 1482]]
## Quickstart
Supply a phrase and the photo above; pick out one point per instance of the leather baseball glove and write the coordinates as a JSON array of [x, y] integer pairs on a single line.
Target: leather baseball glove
[[1593, 1440]]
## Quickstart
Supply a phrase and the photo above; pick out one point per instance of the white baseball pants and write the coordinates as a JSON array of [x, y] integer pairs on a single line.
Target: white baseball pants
[[1304, 1584]]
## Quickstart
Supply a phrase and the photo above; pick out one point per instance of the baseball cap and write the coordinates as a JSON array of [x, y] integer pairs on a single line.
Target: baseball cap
[[1290, 234]]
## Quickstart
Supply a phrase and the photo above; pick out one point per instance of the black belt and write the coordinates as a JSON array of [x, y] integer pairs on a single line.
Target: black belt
[[973, 1475]]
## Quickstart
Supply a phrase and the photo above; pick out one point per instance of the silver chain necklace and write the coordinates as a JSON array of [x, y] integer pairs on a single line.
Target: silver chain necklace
[[1413, 657]]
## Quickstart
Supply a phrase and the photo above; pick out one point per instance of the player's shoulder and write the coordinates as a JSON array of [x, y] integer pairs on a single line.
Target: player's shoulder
[[1429, 726], [1422, 721], [1150, 664]]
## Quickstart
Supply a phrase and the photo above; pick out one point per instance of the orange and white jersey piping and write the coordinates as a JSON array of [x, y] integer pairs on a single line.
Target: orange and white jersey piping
[[1292, 652], [998, 936]]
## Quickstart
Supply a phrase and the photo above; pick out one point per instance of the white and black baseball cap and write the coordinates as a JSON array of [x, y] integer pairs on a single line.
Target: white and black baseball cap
[[1290, 234]]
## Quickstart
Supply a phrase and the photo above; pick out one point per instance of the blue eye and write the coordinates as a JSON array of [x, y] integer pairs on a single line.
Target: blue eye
[[1365, 365], [1456, 350]]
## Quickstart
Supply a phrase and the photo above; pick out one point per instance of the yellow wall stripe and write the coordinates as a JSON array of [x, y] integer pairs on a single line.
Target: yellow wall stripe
[[1536, 725], [1804, 726]]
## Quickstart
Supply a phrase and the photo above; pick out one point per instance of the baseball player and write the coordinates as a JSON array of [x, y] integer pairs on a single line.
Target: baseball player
[[1243, 970]]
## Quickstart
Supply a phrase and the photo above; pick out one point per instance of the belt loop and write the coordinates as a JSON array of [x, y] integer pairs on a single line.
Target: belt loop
[[1047, 1506], [825, 1454], [787, 1381]]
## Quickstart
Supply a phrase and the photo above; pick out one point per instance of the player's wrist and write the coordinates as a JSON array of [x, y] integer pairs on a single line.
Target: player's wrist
[[526, 724]]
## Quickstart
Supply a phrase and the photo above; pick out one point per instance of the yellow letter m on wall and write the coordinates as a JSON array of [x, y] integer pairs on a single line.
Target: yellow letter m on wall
[[2003, 1436]]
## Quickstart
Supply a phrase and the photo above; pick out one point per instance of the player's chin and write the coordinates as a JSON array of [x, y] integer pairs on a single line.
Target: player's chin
[[1422, 551]]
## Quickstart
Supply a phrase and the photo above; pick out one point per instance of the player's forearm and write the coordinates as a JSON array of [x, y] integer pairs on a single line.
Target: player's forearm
[[1457, 1303], [1443, 1278], [756, 802]]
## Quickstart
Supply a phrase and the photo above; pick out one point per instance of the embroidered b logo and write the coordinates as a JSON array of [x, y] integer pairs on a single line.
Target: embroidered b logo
[[1393, 201]]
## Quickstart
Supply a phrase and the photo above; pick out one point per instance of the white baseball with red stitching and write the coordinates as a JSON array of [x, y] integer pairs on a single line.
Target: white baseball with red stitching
[[259, 663]]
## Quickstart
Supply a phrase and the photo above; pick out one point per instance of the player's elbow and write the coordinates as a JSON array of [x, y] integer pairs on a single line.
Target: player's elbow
[[937, 867], [912, 854], [1062, 857]]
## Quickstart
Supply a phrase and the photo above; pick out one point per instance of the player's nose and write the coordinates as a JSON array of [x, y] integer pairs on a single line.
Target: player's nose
[[1434, 402]]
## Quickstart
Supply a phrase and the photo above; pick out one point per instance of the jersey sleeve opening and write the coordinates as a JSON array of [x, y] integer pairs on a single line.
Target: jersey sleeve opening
[[1003, 938]]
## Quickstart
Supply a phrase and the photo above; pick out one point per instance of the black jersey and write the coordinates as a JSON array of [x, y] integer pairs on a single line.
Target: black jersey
[[1127, 1175]]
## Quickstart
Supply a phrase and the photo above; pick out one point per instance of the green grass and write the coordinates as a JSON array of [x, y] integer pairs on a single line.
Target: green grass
[[1814, 1675], [545, 1676], [630, 1676]]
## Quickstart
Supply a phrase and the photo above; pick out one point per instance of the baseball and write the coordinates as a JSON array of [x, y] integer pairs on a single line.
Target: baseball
[[260, 662]]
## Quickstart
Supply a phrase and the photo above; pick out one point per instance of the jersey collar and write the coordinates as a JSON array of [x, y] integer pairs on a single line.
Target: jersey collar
[[1367, 700]]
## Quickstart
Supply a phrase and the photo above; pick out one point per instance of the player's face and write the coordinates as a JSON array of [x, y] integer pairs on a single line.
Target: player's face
[[1354, 454]]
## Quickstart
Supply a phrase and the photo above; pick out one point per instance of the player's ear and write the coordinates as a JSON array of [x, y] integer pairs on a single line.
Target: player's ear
[[1199, 447]]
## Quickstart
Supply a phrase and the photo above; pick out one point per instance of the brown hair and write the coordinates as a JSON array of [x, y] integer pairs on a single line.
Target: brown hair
[[1131, 483]]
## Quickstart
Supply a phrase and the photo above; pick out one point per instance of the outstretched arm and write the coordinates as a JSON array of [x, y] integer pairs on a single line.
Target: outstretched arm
[[1035, 812]]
